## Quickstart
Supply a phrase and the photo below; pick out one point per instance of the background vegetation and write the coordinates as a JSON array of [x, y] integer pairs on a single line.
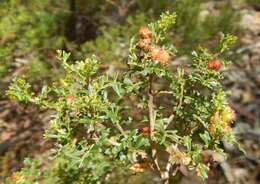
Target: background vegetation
[[31, 31]]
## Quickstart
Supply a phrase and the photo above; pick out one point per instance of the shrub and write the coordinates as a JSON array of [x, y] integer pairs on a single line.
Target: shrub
[[147, 119]]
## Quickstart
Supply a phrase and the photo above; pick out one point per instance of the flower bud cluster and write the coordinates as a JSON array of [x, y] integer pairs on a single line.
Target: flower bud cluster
[[155, 52], [220, 122]]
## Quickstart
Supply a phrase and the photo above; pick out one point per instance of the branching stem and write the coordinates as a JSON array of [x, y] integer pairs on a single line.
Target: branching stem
[[152, 118]]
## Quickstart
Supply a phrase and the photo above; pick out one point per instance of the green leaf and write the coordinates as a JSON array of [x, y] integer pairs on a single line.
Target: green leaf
[[187, 142], [206, 138]]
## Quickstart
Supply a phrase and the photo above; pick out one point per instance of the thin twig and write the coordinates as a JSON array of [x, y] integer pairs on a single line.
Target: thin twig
[[152, 117], [97, 137], [151, 114], [169, 120], [156, 165], [165, 92], [121, 130], [166, 175], [171, 117], [181, 98], [113, 142]]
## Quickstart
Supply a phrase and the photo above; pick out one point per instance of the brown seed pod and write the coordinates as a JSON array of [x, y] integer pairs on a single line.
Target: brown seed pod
[[159, 54], [145, 44], [145, 33], [145, 131], [138, 167], [214, 65]]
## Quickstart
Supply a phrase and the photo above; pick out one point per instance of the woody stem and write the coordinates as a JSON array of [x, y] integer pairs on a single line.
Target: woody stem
[[152, 118]]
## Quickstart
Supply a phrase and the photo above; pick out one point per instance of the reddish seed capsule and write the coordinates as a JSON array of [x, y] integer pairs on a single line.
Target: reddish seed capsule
[[159, 54], [145, 131], [70, 99], [145, 33], [214, 65], [145, 44]]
